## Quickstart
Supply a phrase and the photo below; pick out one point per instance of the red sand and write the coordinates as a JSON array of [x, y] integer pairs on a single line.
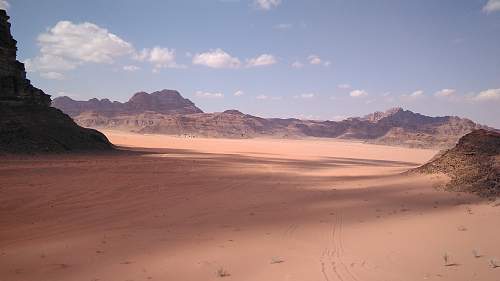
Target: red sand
[[181, 209]]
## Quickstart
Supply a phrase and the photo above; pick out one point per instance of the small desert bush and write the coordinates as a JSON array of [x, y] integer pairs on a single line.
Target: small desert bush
[[447, 260], [221, 272], [476, 253], [276, 260]]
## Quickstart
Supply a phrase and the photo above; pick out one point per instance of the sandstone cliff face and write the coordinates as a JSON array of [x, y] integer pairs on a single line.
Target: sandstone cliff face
[[27, 122], [14, 87], [164, 102], [393, 127], [473, 164]]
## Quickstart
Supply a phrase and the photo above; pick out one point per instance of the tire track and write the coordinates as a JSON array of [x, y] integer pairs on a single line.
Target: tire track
[[332, 257], [290, 230]]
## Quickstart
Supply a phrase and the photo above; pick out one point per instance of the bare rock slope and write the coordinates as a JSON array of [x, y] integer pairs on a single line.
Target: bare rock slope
[[27, 122], [473, 164], [163, 102], [167, 112]]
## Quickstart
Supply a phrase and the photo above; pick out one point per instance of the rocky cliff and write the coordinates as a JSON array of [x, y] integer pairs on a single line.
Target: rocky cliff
[[14, 87], [166, 112], [27, 122], [164, 102], [473, 164]]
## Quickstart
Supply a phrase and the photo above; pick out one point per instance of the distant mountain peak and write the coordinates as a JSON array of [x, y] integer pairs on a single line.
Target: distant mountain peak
[[233, 111], [164, 102], [378, 115]]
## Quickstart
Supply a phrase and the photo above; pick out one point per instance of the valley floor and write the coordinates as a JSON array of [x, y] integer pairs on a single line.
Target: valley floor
[[172, 208]]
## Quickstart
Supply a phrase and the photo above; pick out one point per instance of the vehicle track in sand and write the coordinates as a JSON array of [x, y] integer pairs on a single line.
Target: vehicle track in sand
[[332, 259]]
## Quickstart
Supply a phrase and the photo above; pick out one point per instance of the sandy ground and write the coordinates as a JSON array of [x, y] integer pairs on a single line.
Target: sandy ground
[[184, 209]]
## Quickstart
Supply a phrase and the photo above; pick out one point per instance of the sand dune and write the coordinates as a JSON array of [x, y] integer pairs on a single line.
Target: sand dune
[[182, 209]]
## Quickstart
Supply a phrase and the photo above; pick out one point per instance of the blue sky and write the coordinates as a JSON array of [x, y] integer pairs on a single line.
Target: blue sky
[[309, 59]]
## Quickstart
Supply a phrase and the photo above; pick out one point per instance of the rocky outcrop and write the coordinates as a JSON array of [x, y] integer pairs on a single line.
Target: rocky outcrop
[[164, 102], [27, 122], [473, 164], [14, 87], [45, 129]]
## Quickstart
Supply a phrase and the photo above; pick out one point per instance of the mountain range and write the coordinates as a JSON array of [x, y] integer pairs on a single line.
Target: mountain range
[[167, 112]]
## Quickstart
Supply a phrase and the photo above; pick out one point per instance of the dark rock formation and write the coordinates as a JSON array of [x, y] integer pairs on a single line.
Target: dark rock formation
[[27, 122], [473, 164], [28, 129], [14, 87], [164, 102]]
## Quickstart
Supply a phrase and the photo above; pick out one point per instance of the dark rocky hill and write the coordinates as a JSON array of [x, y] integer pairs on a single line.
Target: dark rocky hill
[[473, 164], [27, 122], [164, 102]]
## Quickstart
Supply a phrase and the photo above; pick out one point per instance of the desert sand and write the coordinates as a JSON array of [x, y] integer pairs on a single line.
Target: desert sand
[[175, 208]]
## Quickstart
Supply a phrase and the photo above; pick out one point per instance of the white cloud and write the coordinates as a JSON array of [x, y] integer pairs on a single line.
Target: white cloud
[[297, 64], [492, 6], [267, 4], [52, 75], [159, 57], [339, 117], [417, 94], [238, 93], [264, 97], [413, 96], [131, 68], [47, 63], [358, 93], [67, 45], [202, 94], [445, 93], [216, 59], [306, 96], [4, 5], [261, 60], [316, 60], [344, 86], [488, 95], [283, 26]]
